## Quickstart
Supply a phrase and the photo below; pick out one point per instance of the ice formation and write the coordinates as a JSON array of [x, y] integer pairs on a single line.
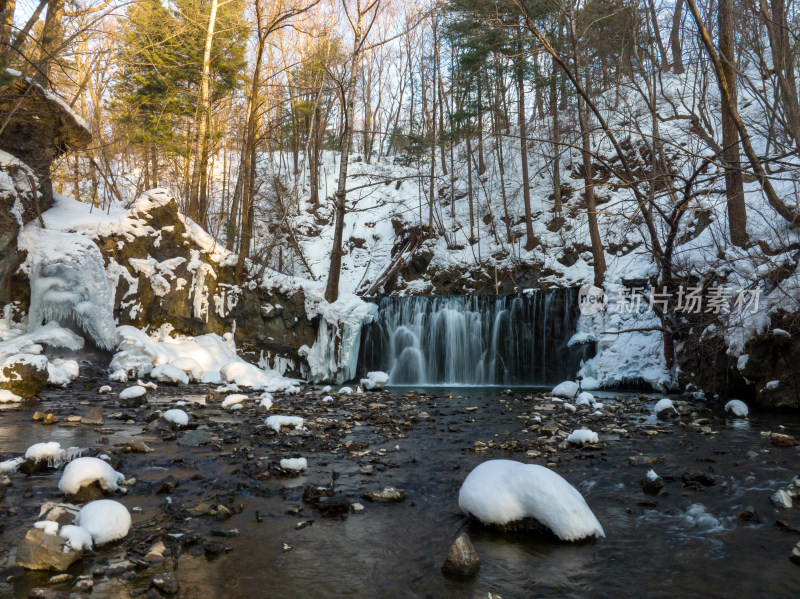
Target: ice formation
[[105, 520], [52, 453], [85, 471], [504, 491], [68, 283]]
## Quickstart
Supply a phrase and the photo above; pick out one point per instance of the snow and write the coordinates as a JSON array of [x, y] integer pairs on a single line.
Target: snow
[[294, 464], [266, 400], [567, 390], [582, 436], [346, 390], [504, 491], [132, 392], [651, 475], [176, 416], [105, 520], [52, 453], [84, 471], [77, 538], [664, 404], [7, 396], [585, 399], [737, 408], [375, 380], [49, 527], [276, 422], [167, 373], [61, 372], [234, 399], [191, 367], [11, 466], [215, 356]]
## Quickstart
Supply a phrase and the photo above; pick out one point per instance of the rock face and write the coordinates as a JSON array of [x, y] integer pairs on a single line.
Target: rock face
[[39, 129], [462, 560], [168, 277], [41, 551], [16, 199], [773, 364]]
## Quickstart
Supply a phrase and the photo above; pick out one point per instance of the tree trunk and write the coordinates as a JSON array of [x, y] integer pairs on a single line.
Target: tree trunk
[[675, 38], [51, 41], [7, 9], [530, 239], [734, 188]]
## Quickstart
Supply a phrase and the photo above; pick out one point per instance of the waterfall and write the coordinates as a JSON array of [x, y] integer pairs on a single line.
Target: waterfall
[[475, 340]]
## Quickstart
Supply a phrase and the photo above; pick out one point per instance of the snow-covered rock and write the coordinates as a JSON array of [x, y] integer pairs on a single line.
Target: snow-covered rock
[[233, 400], [167, 373], [501, 492], [585, 399], [105, 520], [737, 408], [76, 537], [375, 380], [85, 471], [190, 366], [132, 392], [294, 464], [664, 407], [276, 422], [582, 436], [176, 416], [567, 390]]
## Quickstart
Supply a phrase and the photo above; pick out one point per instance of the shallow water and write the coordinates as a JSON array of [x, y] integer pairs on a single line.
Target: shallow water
[[685, 543]]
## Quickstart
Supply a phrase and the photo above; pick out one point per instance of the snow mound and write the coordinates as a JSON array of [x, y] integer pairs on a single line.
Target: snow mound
[[62, 372], [47, 526], [105, 520], [7, 396], [375, 380], [52, 453], [191, 367], [585, 399], [663, 405], [132, 392], [85, 471], [167, 373], [737, 408], [504, 491], [346, 390], [294, 464], [276, 422], [76, 537], [176, 416], [567, 390], [244, 374], [266, 400], [11, 466], [581, 436]]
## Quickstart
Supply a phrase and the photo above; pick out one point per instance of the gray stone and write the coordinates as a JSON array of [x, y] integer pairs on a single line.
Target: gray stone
[[462, 560], [195, 438], [63, 513], [781, 498], [119, 567], [86, 494], [43, 593], [40, 551], [166, 583], [83, 584], [94, 417]]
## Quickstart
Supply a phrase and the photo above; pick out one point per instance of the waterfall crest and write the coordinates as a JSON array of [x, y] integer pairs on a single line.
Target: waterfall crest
[[475, 340]]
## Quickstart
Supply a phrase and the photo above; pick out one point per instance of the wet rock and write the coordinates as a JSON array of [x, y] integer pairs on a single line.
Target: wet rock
[[228, 534], [653, 486], [462, 560], [119, 567], [795, 556], [40, 551], [63, 513], [642, 460], [313, 493], [781, 498], [59, 578], [698, 478], [166, 583], [83, 584], [780, 440], [749, 514], [334, 506], [94, 417], [167, 486], [156, 553], [133, 402], [214, 547], [368, 469], [139, 447], [86, 494], [387, 495], [196, 438], [43, 593]]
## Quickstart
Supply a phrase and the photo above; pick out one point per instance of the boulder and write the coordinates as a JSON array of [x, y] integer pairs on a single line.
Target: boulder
[[462, 560], [41, 551], [24, 374]]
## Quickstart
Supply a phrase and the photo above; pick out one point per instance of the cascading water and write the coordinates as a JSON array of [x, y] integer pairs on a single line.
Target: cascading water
[[475, 340]]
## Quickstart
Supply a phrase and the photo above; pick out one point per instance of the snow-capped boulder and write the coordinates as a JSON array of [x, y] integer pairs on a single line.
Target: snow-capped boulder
[[76, 538], [511, 494], [582, 436], [665, 408], [375, 380], [43, 549], [737, 408], [132, 397], [83, 473], [294, 464], [176, 416], [276, 422], [169, 374], [585, 399], [105, 520], [24, 375], [567, 390]]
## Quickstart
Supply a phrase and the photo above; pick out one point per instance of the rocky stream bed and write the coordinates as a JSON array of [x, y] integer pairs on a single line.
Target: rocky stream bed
[[374, 514]]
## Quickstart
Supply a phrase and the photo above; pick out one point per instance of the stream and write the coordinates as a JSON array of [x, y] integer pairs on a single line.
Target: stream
[[694, 540]]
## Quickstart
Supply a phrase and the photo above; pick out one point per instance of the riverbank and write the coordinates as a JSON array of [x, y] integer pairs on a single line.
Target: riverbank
[[233, 522]]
